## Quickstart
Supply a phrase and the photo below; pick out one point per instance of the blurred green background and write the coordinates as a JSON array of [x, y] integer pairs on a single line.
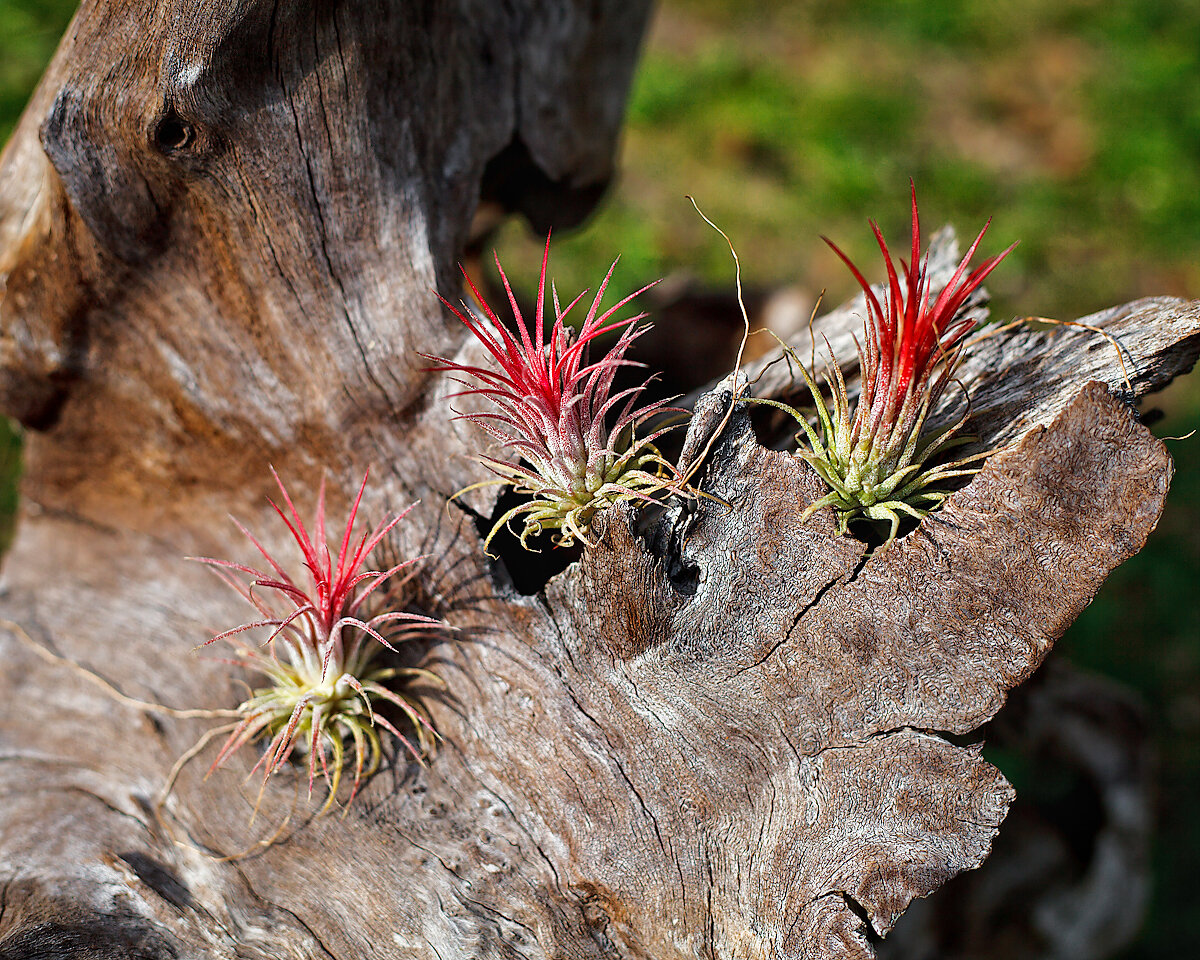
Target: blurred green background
[[1074, 123]]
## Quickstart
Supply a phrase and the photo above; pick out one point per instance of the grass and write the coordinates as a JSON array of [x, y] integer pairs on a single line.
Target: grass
[[1075, 124], [29, 33]]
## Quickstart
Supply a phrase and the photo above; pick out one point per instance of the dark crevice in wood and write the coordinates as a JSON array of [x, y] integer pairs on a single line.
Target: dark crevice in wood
[[96, 937], [172, 133], [864, 917], [513, 179], [526, 570], [159, 878], [775, 429], [663, 530]]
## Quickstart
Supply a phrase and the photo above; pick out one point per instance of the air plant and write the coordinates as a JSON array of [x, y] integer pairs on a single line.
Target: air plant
[[877, 459], [574, 441], [319, 660]]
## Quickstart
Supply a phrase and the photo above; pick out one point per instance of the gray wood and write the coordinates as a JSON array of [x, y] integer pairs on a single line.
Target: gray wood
[[1081, 875], [718, 735]]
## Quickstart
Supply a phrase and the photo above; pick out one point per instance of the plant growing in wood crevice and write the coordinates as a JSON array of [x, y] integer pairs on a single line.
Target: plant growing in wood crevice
[[320, 660], [553, 408], [875, 455]]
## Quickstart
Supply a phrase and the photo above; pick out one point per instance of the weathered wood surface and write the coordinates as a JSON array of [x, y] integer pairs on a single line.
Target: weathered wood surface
[[220, 227], [1069, 874]]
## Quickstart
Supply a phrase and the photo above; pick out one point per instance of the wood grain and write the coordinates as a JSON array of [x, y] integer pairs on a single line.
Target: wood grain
[[720, 734]]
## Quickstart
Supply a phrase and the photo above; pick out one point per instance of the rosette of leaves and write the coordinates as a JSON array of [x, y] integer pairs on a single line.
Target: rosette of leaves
[[573, 439], [875, 454], [322, 679]]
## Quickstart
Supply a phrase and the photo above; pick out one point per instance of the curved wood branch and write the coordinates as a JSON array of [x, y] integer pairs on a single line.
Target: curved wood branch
[[722, 733]]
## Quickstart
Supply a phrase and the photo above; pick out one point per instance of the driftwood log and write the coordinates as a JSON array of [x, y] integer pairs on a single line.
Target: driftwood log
[[1069, 873], [722, 733]]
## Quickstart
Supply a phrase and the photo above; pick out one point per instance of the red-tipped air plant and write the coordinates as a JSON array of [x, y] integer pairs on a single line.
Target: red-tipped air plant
[[323, 681], [877, 459], [553, 408]]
